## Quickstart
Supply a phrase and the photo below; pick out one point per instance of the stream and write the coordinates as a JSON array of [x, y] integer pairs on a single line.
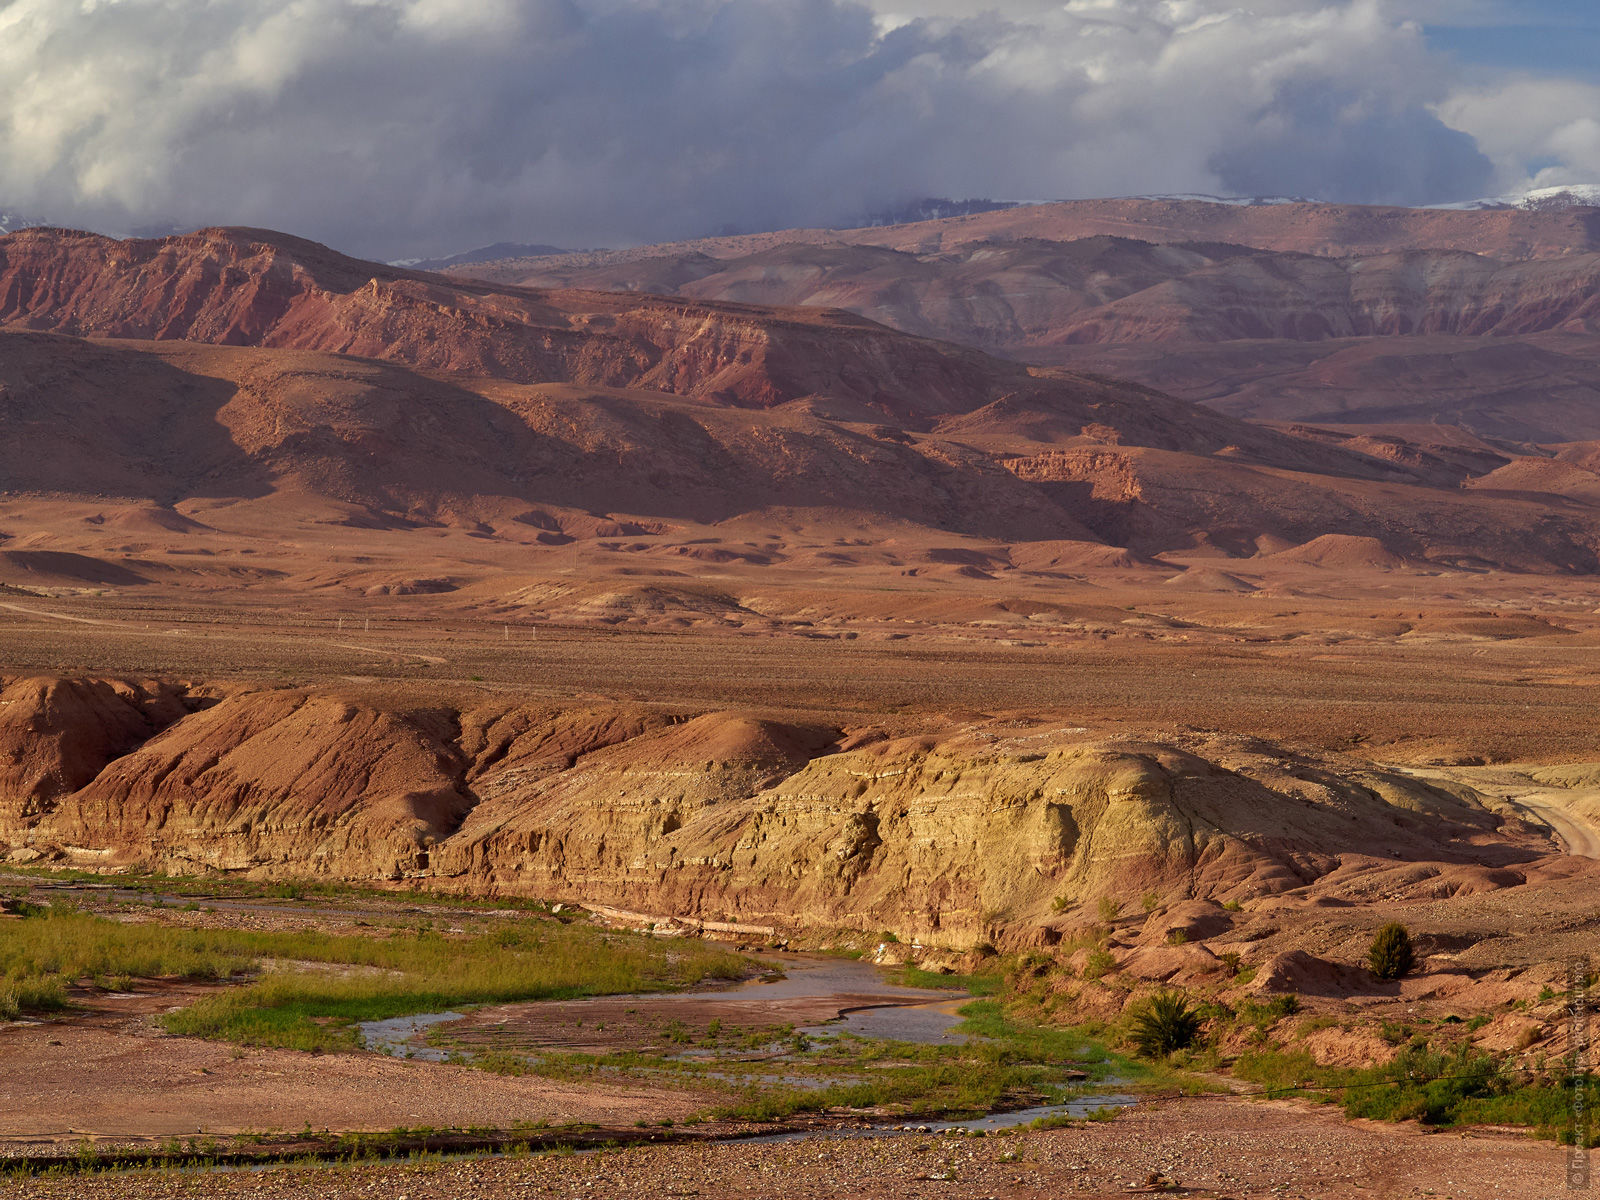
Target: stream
[[869, 1006]]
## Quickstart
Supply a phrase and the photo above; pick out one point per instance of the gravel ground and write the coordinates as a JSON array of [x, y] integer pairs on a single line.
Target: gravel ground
[[1210, 1147]]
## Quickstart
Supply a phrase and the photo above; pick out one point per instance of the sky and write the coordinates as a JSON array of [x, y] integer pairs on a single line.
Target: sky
[[395, 128]]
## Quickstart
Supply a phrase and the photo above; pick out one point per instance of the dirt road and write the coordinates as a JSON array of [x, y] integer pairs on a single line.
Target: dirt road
[[1574, 832]]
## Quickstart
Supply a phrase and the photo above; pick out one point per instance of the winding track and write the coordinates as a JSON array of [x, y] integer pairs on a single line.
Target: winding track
[[1576, 835], [1552, 807]]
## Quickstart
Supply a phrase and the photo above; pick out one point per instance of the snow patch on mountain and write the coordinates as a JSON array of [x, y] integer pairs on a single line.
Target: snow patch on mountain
[[1545, 199], [10, 222], [1231, 201]]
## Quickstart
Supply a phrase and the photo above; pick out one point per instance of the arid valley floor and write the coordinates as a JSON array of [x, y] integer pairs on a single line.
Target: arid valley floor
[[580, 664]]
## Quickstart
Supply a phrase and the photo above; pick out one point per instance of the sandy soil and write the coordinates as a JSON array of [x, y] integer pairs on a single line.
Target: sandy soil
[[1113, 654], [111, 1074], [1212, 1147]]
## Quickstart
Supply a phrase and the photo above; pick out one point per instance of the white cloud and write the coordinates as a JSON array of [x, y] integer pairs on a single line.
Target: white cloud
[[1552, 124], [409, 126]]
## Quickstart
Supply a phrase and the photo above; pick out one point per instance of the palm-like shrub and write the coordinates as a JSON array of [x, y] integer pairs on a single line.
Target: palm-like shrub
[[1391, 955], [1165, 1023]]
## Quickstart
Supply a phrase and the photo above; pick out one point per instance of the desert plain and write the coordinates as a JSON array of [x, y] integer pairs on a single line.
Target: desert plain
[[363, 631]]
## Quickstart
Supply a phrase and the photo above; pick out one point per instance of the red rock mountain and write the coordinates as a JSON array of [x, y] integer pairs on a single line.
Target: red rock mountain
[[1145, 289], [1020, 295], [236, 364], [251, 288]]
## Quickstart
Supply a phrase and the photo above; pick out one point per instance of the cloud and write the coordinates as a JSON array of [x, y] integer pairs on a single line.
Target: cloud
[[1537, 132], [390, 127]]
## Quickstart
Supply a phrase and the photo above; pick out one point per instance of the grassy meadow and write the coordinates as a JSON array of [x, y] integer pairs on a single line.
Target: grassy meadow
[[322, 984]]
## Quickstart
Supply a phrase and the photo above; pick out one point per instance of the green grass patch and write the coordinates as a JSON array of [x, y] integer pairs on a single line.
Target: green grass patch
[[977, 985], [427, 972], [45, 953], [227, 887], [1443, 1087], [393, 973], [949, 1088]]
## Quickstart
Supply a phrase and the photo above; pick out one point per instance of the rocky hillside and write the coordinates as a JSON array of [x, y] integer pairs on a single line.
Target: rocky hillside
[[198, 437], [253, 288], [966, 831], [240, 366], [1261, 310], [1016, 296]]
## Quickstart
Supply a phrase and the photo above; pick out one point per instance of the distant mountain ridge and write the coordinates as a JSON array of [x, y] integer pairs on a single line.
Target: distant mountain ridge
[[1541, 199], [482, 254], [1256, 306], [11, 221], [239, 378]]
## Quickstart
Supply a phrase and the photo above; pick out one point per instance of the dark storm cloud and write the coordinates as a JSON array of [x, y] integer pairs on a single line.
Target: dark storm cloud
[[1324, 141], [389, 127]]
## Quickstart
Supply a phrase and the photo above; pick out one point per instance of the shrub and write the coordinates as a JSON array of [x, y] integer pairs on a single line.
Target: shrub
[[1100, 963], [1151, 901], [1109, 909], [1165, 1023], [1230, 961], [1270, 1013], [1177, 937], [1391, 955]]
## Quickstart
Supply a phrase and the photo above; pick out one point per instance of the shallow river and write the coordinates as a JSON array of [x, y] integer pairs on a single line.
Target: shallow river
[[874, 1008]]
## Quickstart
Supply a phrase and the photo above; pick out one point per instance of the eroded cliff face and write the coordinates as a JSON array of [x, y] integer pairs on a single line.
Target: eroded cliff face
[[58, 734], [243, 287], [982, 830]]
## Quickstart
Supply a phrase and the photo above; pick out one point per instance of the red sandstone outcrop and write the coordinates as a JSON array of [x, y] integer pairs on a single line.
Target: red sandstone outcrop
[[250, 288], [56, 735]]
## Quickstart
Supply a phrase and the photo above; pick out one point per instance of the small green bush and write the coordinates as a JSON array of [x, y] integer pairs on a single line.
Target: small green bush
[[1109, 909], [1165, 1023], [1100, 963], [1391, 955]]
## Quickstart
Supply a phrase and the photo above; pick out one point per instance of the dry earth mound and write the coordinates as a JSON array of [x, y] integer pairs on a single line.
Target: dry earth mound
[[726, 816], [1344, 551]]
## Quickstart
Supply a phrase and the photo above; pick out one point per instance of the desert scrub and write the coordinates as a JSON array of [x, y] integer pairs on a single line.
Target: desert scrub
[[1099, 964], [1391, 955], [1459, 1086]]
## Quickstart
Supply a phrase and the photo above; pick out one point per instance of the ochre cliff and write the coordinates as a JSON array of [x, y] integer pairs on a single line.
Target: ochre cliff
[[979, 830]]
